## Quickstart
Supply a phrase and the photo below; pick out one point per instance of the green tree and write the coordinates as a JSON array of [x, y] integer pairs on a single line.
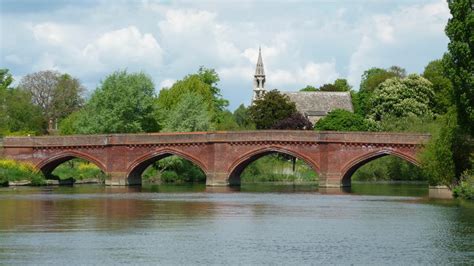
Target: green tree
[[242, 118], [370, 80], [6, 80], [23, 117], [398, 97], [124, 103], [342, 85], [190, 114], [343, 120], [309, 88], [459, 61], [442, 87], [328, 87], [270, 109]]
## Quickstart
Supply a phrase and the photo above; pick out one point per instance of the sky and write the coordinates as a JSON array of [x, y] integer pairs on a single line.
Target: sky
[[303, 42]]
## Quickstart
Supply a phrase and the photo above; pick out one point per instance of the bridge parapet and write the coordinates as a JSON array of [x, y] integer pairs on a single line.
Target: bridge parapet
[[218, 137]]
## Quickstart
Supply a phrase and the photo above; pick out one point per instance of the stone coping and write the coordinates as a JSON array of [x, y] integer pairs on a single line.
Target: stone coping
[[219, 137]]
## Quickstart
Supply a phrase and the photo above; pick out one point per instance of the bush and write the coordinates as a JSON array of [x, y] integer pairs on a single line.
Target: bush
[[78, 169], [11, 170], [343, 120], [465, 189]]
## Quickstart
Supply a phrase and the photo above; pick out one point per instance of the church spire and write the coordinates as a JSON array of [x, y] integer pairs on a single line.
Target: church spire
[[259, 71], [259, 78]]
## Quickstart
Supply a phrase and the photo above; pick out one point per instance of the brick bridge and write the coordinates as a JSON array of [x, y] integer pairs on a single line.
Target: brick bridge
[[222, 156]]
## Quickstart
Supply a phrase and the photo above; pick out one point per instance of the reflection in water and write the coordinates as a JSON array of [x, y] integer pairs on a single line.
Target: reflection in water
[[194, 224]]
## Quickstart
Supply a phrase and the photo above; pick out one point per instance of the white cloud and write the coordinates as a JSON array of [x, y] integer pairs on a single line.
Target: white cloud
[[166, 83], [123, 47], [388, 39], [311, 74]]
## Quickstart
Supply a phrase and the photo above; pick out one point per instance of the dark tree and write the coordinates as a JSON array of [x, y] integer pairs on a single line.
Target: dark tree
[[328, 87], [459, 61], [270, 109], [295, 121]]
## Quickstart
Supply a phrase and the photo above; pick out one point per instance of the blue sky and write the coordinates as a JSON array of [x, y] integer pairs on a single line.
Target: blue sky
[[303, 42]]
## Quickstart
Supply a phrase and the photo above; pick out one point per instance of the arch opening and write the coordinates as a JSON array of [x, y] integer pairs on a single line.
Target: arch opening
[[383, 166], [72, 168], [166, 167], [273, 165]]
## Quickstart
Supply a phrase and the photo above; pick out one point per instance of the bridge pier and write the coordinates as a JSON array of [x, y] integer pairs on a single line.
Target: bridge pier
[[120, 179], [333, 180]]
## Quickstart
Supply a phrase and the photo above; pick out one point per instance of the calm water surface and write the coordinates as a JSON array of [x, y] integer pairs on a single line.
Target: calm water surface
[[370, 224]]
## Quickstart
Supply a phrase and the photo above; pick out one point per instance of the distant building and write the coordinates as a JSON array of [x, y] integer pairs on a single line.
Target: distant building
[[313, 105], [317, 104]]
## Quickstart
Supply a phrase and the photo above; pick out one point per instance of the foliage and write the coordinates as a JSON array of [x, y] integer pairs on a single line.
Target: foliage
[[389, 168], [417, 124], [276, 168], [56, 94], [442, 87], [242, 118], [402, 98], [370, 80], [459, 61], [327, 87], [309, 88], [173, 169], [190, 114], [11, 170], [204, 84], [343, 120], [294, 121], [78, 169], [270, 109], [227, 121], [22, 115], [465, 188], [342, 85], [439, 160], [124, 103]]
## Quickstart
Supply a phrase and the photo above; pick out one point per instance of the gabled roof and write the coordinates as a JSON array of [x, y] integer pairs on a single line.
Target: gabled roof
[[319, 103]]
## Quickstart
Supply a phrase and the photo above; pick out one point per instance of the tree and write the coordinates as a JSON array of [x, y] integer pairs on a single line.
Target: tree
[[370, 80], [342, 85], [343, 120], [242, 118], [23, 117], [442, 87], [270, 109], [6, 80], [328, 87], [294, 121], [58, 95], [402, 97], [190, 114], [123, 103], [309, 88], [459, 61]]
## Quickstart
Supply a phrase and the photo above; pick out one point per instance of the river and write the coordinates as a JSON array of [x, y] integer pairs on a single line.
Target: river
[[255, 224]]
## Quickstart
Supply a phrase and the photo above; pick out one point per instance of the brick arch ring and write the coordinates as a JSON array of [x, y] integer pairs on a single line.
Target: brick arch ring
[[359, 161], [161, 152], [75, 154], [247, 156]]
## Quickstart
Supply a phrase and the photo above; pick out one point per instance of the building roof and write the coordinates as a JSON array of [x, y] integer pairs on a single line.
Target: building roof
[[319, 103]]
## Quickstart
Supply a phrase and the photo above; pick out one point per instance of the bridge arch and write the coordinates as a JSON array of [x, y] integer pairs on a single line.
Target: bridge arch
[[47, 166], [138, 166], [349, 169], [238, 166]]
